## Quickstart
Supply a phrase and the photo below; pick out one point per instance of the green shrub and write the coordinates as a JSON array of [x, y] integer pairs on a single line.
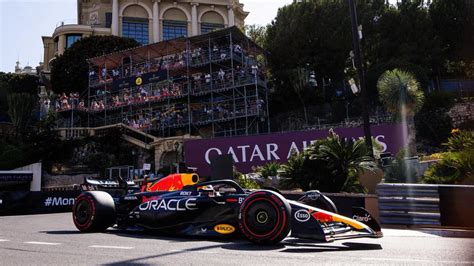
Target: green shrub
[[453, 168], [247, 182], [460, 140], [269, 169]]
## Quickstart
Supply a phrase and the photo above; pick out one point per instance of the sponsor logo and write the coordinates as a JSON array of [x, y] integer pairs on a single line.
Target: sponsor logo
[[169, 205], [139, 81], [58, 201], [313, 195], [185, 193], [130, 198], [224, 229], [302, 216], [364, 218]]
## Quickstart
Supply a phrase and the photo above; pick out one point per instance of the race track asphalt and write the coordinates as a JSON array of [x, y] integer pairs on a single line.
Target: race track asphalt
[[52, 239]]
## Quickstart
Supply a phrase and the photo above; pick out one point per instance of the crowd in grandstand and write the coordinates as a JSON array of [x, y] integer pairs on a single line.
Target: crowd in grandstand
[[110, 97], [103, 99], [176, 61]]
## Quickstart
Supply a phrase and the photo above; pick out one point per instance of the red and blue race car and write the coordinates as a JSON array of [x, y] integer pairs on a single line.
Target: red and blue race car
[[180, 204]]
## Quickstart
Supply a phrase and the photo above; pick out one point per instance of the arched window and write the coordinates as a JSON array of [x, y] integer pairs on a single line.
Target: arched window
[[211, 21], [135, 24], [175, 24]]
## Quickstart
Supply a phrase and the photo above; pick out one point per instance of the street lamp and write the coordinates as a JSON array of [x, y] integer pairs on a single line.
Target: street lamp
[[176, 148], [356, 36]]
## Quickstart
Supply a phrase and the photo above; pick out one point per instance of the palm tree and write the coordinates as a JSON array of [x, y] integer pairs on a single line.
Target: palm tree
[[328, 165], [342, 159], [401, 94]]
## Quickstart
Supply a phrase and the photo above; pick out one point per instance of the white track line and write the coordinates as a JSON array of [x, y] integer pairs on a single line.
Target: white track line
[[111, 247], [42, 243], [4, 240]]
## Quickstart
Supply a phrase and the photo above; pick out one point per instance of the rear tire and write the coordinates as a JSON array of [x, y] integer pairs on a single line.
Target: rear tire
[[264, 217], [93, 211]]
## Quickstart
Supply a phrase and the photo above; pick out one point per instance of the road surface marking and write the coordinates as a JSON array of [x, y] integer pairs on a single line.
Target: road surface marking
[[111, 247], [4, 240], [418, 260], [42, 243]]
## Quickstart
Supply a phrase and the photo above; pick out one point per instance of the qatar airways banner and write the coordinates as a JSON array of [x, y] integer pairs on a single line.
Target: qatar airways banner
[[258, 150]]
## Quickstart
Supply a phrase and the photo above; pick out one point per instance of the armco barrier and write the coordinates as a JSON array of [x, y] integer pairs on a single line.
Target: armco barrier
[[27, 202], [426, 205], [409, 204]]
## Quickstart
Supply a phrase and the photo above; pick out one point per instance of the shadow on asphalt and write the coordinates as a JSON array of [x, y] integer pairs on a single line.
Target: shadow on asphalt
[[62, 232], [290, 245], [298, 246]]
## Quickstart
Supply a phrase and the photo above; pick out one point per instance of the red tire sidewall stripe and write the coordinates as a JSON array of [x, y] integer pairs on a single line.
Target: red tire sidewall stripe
[[247, 230], [91, 218]]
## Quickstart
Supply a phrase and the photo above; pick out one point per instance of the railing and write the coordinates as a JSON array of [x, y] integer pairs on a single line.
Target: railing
[[409, 204]]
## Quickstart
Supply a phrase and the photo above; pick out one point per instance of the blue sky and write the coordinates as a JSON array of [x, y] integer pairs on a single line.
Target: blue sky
[[23, 22]]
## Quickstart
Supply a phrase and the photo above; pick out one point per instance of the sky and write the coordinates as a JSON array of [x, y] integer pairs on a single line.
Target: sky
[[23, 22]]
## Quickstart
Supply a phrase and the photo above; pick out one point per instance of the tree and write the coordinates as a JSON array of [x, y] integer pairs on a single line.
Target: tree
[[20, 107], [69, 72], [401, 94], [14, 83], [313, 33], [433, 124], [257, 33], [454, 24]]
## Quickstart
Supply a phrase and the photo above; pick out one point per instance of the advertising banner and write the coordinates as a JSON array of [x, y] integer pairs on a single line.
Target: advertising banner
[[248, 151], [134, 81], [27, 202], [6, 176]]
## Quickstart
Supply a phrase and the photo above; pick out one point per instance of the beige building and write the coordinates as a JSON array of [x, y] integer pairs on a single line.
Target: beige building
[[147, 21]]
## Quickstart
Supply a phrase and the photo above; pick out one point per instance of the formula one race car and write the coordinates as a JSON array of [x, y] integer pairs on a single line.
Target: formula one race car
[[179, 204]]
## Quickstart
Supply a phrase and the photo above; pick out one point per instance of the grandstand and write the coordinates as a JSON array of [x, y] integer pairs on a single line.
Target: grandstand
[[208, 85]]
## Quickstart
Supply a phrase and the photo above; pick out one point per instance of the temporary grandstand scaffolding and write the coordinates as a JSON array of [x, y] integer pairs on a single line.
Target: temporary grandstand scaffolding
[[208, 85]]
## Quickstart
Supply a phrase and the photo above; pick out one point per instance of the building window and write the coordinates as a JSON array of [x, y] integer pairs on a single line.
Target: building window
[[108, 19], [135, 28], [72, 38], [208, 27], [174, 29]]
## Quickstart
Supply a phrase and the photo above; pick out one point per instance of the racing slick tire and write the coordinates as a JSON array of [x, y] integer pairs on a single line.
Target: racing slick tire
[[93, 211], [264, 217]]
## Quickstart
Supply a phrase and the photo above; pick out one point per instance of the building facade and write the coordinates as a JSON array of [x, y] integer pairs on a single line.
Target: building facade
[[146, 21]]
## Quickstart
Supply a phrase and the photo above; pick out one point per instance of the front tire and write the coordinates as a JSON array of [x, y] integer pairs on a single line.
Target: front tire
[[93, 211], [264, 217]]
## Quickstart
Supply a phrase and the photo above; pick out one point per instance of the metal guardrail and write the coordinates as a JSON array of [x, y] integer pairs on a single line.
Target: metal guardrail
[[409, 204]]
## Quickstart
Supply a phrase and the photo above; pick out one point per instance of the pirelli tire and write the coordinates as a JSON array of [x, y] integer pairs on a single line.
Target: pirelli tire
[[264, 217], [93, 211]]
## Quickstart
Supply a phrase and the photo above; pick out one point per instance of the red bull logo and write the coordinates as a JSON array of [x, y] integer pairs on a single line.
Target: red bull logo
[[172, 182]]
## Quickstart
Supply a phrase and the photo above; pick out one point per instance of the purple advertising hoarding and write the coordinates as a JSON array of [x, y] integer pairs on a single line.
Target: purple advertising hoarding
[[248, 151]]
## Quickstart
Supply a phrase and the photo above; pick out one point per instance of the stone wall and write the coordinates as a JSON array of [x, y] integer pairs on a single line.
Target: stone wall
[[54, 181], [462, 112]]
